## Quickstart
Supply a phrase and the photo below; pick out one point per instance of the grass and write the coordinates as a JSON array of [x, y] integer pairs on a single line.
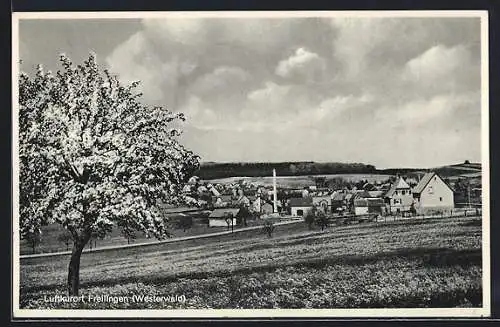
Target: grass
[[50, 233], [301, 181], [418, 263]]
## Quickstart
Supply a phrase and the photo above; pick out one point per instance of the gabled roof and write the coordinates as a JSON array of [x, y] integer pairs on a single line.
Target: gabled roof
[[425, 180], [400, 184], [221, 212], [301, 202]]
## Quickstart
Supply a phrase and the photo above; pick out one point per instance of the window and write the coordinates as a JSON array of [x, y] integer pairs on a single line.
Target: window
[[441, 199], [300, 212], [431, 190], [403, 192]]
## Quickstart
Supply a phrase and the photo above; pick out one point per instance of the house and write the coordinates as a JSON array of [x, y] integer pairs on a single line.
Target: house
[[214, 190], [338, 200], [187, 188], [369, 187], [222, 200], [323, 202], [193, 180], [218, 217], [363, 206], [399, 198], [300, 206], [432, 193]]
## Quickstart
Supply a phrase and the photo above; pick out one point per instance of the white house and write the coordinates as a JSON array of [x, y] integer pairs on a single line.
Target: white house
[[300, 206], [218, 217], [432, 193], [399, 197]]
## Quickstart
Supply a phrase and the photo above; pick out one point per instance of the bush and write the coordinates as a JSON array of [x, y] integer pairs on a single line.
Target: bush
[[268, 228], [322, 220], [309, 220]]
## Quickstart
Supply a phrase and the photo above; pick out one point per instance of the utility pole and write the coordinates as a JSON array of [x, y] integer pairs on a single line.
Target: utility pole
[[275, 193]]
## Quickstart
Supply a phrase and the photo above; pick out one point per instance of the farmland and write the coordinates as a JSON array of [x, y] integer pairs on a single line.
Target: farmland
[[301, 181], [413, 263]]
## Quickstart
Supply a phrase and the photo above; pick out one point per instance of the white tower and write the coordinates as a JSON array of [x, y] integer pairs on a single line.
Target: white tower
[[275, 193]]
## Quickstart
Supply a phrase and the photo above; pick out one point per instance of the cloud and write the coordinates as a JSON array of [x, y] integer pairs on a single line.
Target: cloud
[[158, 77], [436, 111], [386, 91], [185, 31], [223, 79], [302, 64], [442, 68]]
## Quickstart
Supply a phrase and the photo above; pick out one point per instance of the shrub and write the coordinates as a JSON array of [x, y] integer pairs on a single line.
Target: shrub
[[309, 220], [322, 220], [269, 228]]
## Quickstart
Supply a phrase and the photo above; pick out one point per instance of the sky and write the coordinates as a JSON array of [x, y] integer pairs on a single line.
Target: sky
[[387, 91]]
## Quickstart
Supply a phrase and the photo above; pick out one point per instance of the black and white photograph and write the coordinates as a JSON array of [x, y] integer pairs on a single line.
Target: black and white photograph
[[251, 164]]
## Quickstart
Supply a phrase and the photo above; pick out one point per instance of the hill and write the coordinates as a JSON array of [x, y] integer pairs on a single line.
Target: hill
[[214, 170]]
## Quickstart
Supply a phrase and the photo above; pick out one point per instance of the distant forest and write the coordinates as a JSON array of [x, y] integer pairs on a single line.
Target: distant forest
[[212, 170]]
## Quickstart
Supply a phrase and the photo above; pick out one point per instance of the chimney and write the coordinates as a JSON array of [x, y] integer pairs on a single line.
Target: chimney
[[275, 194]]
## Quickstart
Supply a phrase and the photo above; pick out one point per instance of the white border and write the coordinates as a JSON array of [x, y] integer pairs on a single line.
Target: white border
[[485, 311]]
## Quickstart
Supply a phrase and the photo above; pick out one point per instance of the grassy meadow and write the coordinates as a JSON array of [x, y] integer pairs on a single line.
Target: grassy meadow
[[415, 263]]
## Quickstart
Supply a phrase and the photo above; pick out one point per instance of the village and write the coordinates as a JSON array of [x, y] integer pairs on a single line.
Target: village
[[239, 203], [427, 193]]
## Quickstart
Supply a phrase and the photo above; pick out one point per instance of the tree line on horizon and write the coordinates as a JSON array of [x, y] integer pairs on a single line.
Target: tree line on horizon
[[215, 170], [256, 169]]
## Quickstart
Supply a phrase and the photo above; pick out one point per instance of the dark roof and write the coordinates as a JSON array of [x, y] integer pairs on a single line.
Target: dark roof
[[361, 203], [221, 212], [425, 180], [224, 197], [376, 202], [361, 194], [368, 202], [301, 202]]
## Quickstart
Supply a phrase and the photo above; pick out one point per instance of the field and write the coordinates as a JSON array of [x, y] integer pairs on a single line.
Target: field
[[301, 181], [50, 233], [414, 263]]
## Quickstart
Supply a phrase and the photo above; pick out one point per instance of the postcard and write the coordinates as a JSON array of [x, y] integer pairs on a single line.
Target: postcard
[[250, 164]]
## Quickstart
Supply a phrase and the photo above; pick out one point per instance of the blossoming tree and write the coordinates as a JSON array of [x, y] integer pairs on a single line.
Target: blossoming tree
[[92, 156]]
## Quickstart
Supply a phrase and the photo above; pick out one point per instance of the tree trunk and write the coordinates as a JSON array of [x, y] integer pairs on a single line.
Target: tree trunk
[[74, 266]]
